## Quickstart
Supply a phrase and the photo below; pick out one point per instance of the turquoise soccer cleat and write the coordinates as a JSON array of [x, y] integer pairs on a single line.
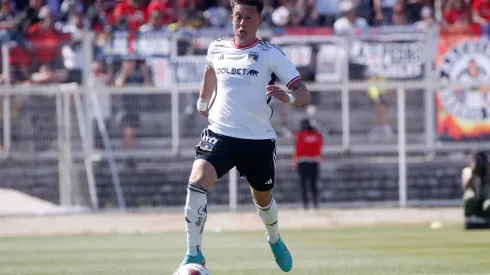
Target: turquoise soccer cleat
[[198, 259], [282, 255]]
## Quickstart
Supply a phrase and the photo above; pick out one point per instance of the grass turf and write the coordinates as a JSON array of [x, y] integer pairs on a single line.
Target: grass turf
[[356, 251]]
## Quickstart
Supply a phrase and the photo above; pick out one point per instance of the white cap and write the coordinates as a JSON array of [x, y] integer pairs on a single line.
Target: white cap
[[426, 12], [346, 5]]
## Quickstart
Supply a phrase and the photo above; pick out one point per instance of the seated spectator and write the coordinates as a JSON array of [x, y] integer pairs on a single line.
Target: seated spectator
[[30, 15], [165, 8], [154, 24], [349, 20], [219, 16], [129, 13], [413, 9], [480, 10], [383, 10], [399, 16], [456, 12], [97, 15], [69, 7], [328, 11], [46, 40]]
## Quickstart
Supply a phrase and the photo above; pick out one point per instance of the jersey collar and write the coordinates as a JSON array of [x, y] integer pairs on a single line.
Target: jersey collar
[[236, 46]]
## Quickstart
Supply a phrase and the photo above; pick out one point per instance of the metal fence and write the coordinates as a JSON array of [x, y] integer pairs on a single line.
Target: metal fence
[[119, 129]]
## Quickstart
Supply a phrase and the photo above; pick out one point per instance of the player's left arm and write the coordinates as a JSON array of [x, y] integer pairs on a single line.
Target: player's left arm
[[287, 73]]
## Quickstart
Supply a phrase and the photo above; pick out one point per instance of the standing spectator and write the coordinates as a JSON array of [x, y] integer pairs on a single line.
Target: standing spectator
[[165, 8], [46, 40], [306, 160], [456, 12], [480, 10], [99, 79], [349, 21], [382, 130], [383, 10], [131, 75], [130, 13]]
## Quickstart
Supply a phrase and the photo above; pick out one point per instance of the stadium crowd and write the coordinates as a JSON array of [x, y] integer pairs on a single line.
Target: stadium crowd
[[37, 26]]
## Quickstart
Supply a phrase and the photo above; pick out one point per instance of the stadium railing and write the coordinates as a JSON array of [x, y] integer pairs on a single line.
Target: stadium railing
[[338, 70]]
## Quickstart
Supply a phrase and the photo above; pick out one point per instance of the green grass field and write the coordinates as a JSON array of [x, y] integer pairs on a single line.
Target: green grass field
[[373, 251]]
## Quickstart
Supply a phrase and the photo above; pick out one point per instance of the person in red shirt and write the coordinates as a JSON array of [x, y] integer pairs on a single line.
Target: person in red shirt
[[480, 10], [165, 8], [306, 160], [132, 12], [456, 12]]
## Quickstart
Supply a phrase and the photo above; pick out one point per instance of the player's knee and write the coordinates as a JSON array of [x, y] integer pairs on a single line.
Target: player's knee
[[203, 174], [261, 198]]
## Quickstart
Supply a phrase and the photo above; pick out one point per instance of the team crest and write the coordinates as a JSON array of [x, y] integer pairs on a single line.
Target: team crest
[[462, 70], [253, 57]]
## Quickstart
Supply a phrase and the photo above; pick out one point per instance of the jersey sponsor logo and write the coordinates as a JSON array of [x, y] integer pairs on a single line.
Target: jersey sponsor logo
[[253, 57], [253, 73], [268, 182], [203, 210], [232, 71]]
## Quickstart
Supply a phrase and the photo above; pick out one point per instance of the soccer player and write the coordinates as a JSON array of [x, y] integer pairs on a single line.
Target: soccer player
[[243, 71]]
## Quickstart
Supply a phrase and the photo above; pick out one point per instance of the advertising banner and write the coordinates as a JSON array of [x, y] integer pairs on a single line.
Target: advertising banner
[[462, 103]]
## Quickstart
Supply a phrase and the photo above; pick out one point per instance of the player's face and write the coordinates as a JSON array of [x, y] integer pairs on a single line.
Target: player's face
[[246, 21]]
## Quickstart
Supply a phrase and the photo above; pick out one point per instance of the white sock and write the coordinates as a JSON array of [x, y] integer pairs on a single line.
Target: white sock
[[195, 216], [269, 216]]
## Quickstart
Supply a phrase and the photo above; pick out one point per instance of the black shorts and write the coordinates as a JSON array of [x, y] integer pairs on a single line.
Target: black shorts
[[254, 159]]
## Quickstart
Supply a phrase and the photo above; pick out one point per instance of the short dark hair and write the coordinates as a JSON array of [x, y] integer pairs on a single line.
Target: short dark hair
[[259, 4]]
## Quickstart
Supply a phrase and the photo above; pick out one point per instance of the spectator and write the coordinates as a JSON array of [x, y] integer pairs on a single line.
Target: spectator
[[382, 130], [267, 13], [427, 21], [349, 21], [413, 9], [480, 10], [97, 15], [30, 15], [328, 12], [69, 7], [100, 79], [129, 14], [46, 40], [456, 12], [399, 16], [219, 16], [154, 24], [165, 8], [383, 10], [131, 75]]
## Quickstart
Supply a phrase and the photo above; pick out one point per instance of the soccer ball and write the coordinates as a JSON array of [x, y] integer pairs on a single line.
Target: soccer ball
[[192, 269]]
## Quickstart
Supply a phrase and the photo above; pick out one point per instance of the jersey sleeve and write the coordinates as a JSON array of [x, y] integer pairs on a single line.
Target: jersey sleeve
[[283, 68], [209, 60]]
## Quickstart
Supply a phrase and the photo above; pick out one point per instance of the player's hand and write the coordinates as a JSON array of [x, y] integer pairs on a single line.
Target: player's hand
[[277, 93]]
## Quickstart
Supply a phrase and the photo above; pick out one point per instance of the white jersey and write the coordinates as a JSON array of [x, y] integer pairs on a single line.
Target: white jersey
[[240, 108]]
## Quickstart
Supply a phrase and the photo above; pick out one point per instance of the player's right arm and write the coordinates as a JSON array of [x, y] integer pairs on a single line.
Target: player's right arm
[[208, 85]]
